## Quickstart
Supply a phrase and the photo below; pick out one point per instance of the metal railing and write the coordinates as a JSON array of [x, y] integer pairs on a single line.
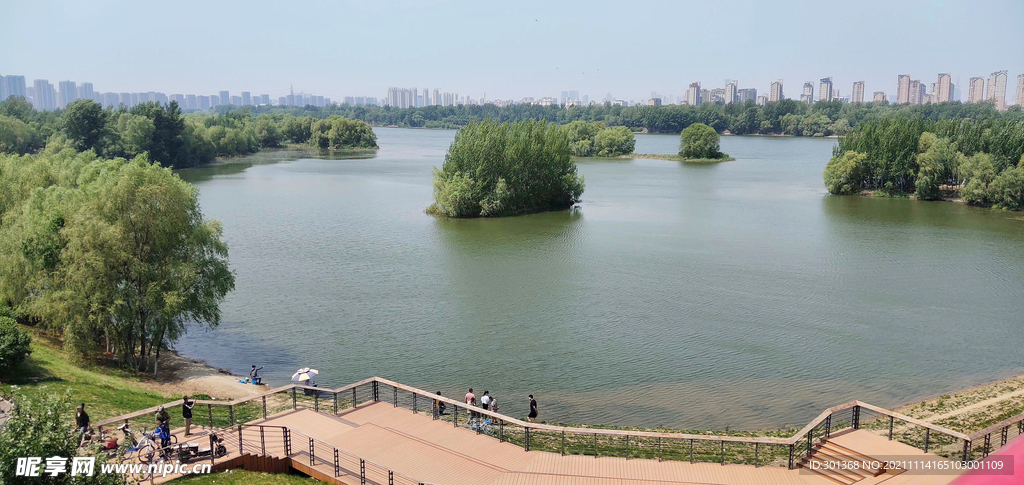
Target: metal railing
[[1002, 432], [790, 452]]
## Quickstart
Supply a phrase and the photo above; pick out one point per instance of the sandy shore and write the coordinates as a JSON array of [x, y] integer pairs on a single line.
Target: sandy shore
[[180, 375]]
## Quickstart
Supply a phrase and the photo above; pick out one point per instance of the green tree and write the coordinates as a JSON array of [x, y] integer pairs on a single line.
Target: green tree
[[267, 132], [979, 172], [699, 141], [84, 123], [844, 172], [505, 169], [17, 137], [612, 142], [14, 345]]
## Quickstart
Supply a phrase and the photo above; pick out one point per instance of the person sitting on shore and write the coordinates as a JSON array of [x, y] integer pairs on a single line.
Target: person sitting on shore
[[254, 375]]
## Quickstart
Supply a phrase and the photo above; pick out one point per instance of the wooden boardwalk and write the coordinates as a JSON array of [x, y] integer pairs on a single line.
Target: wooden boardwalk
[[432, 451]]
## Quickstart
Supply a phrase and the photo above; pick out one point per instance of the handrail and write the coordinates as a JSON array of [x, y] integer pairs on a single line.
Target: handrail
[[576, 430], [998, 426]]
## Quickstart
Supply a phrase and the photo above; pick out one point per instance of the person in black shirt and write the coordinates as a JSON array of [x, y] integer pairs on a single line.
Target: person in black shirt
[[254, 374], [186, 414], [81, 422], [533, 409]]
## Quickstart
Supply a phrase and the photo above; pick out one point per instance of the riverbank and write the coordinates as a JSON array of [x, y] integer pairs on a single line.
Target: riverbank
[[677, 158], [108, 389]]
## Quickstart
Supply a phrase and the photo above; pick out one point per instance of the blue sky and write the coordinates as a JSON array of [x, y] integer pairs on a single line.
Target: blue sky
[[509, 49]]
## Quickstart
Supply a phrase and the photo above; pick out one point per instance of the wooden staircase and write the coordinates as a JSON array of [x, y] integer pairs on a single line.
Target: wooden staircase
[[858, 465]]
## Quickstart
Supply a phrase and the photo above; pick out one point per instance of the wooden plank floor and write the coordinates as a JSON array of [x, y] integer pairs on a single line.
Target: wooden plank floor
[[437, 452]]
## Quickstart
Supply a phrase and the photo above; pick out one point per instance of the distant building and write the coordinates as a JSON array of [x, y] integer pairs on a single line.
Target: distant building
[[944, 89], [68, 93], [997, 89], [807, 96], [282, 101], [110, 100], [693, 95], [85, 91], [746, 94], [1019, 100], [180, 99], [192, 102], [858, 92], [246, 98], [879, 97], [776, 91], [976, 90], [652, 102], [729, 95], [265, 99], [125, 99], [12, 86], [202, 103], [762, 100], [45, 97], [717, 95], [825, 89], [225, 98], [903, 89], [236, 101]]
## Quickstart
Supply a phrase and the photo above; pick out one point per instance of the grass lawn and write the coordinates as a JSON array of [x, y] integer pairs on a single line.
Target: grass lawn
[[106, 391], [242, 477]]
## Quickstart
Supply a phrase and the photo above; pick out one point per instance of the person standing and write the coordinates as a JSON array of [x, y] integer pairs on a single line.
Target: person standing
[[186, 413], [485, 400], [494, 405], [163, 423], [471, 401], [438, 407], [81, 422], [533, 410]]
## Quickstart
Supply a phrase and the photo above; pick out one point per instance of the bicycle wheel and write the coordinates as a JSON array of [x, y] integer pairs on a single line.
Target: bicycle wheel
[[147, 453]]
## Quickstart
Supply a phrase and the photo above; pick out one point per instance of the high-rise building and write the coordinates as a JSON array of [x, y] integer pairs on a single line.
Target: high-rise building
[[236, 101], [918, 92], [944, 89], [729, 95], [807, 96], [762, 100], [903, 89], [68, 93], [265, 99], [180, 99], [85, 91], [858, 92], [879, 97], [1019, 100], [746, 94], [997, 89], [225, 97], [693, 95], [246, 98], [12, 86], [574, 95], [45, 97], [202, 102], [192, 102], [282, 101], [825, 89], [976, 93], [776, 91]]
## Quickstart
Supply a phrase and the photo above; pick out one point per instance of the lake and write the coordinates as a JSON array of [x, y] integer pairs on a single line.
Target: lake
[[737, 294]]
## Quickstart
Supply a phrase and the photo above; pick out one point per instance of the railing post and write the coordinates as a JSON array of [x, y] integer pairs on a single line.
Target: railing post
[[1003, 440], [891, 419], [362, 465], [691, 450], [791, 456], [354, 401], [213, 450], [526, 442], [335, 403], [414, 411], [627, 446], [391, 477], [263, 442], [294, 406], [264, 407], [927, 433], [316, 401], [757, 459], [209, 412], [595, 445], [967, 449], [376, 394], [455, 416], [984, 451], [723, 451], [312, 453], [337, 462], [501, 431], [856, 417], [287, 441], [659, 448], [563, 442], [231, 414], [810, 438], [239, 439], [828, 426], [396, 395]]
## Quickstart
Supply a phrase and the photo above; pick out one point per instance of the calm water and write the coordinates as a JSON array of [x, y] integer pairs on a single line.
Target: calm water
[[702, 296]]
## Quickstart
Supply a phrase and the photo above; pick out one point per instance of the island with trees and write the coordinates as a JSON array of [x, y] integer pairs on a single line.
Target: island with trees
[[698, 143], [977, 161], [504, 169], [595, 139]]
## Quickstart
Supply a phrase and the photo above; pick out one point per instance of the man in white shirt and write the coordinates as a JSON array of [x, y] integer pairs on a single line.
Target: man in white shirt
[[485, 401]]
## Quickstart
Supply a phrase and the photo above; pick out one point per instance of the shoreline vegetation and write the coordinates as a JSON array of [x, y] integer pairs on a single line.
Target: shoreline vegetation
[[109, 390], [678, 158]]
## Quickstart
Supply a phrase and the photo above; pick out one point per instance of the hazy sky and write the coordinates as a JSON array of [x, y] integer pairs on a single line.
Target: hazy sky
[[506, 49]]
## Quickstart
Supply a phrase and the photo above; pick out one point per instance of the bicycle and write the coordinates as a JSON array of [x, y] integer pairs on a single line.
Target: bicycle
[[148, 446]]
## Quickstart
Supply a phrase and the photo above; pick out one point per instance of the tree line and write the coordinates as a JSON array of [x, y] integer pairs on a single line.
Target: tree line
[[980, 161], [166, 135]]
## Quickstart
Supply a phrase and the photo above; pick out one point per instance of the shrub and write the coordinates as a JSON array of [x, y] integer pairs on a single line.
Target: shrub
[[699, 141], [843, 173], [14, 345]]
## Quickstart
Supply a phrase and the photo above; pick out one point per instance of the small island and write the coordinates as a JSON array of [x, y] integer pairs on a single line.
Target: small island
[[698, 143], [336, 132], [595, 139], [506, 169]]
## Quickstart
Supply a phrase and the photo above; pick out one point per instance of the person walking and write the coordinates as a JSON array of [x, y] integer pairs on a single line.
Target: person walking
[[485, 400], [186, 413], [533, 410]]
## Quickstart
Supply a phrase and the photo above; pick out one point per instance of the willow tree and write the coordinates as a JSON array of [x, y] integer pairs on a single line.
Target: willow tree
[[506, 169], [109, 252]]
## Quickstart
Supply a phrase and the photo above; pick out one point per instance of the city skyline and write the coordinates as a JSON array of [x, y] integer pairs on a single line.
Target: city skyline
[[508, 52]]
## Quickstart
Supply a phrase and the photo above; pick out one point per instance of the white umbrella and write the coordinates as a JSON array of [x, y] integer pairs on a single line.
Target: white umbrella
[[304, 374]]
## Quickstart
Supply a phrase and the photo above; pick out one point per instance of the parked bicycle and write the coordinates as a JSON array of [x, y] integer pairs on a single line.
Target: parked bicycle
[[148, 447]]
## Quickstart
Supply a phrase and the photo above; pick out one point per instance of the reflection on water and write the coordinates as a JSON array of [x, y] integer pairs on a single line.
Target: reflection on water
[[738, 294]]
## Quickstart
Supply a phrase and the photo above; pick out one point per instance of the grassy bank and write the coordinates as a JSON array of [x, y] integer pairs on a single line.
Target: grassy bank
[[242, 477], [677, 158]]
